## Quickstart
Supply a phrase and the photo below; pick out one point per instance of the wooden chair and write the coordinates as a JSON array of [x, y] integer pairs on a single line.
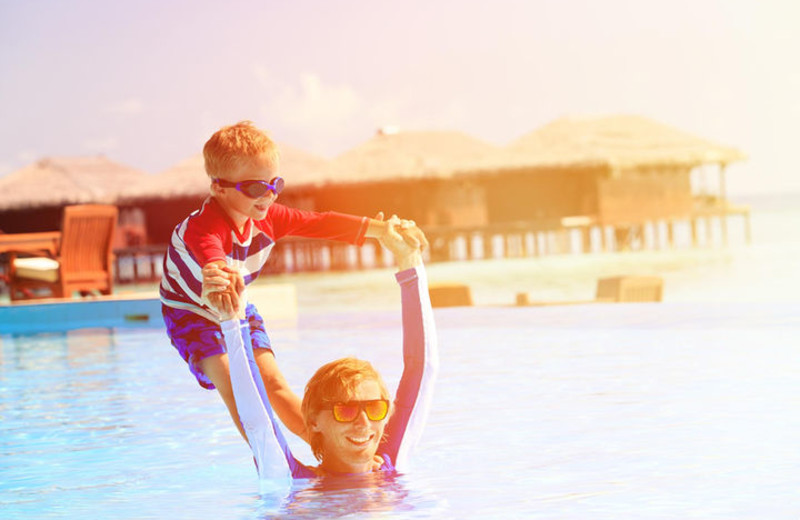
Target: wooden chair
[[630, 289], [82, 259]]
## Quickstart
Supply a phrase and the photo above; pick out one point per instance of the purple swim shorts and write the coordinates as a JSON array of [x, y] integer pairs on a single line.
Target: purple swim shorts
[[197, 338]]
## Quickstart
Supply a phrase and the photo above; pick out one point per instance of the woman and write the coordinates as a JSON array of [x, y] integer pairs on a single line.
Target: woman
[[346, 406]]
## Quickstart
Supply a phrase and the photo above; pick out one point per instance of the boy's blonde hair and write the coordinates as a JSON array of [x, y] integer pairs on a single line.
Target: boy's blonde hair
[[236, 146], [335, 382]]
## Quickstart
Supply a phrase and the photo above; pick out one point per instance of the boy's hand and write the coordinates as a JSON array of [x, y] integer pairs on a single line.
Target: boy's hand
[[215, 277], [222, 289], [408, 229]]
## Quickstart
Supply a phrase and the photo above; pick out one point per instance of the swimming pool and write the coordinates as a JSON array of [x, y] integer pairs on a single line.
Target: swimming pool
[[593, 411]]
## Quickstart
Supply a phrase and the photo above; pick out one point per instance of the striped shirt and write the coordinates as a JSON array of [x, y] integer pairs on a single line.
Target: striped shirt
[[208, 235]]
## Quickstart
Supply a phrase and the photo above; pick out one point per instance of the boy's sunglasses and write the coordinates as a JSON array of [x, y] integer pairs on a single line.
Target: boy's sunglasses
[[254, 189], [376, 410]]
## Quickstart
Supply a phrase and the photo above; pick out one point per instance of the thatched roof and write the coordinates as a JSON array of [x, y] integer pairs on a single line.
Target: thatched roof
[[57, 181], [616, 142], [403, 155], [188, 178]]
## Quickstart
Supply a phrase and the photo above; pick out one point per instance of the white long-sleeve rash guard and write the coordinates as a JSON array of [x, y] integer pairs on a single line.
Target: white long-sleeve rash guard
[[273, 457]]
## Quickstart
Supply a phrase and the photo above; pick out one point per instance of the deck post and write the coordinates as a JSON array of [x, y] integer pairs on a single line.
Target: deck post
[[724, 201], [603, 239], [487, 246], [586, 235], [671, 234]]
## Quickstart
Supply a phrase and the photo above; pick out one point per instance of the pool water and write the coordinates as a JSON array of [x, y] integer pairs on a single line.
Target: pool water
[[589, 411]]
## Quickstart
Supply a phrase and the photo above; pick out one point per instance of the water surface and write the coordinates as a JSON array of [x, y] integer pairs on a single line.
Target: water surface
[[601, 411]]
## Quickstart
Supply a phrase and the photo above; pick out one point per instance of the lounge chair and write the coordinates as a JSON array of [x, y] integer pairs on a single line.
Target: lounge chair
[[82, 261]]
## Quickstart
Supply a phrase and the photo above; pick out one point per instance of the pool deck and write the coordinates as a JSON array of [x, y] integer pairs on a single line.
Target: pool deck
[[131, 309]]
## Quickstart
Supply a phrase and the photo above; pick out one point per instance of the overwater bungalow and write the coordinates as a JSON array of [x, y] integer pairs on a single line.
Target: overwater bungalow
[[610, 179], [33, 198], [615, 173]]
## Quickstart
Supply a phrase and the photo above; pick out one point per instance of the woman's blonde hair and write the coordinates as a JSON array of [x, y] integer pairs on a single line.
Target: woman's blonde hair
[[235, 146], [334, 382]]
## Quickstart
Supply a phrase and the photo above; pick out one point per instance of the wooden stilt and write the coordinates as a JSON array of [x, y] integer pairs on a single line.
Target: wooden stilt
[[671, 234], [723, 200], [747, 230], [487, 246], [586, 235]]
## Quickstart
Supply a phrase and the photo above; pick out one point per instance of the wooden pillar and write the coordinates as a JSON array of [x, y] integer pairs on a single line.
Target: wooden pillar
[[603, 241], [359, 258], [380, 261], [508, 245], [724, 202], [621, 237], [586, 235], [515, 245], [487, 246], [671, 234], [747, 230], [531, 245], [336, 257], [656, 234]]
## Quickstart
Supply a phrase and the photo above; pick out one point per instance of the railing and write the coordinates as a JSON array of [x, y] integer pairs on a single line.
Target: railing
[[140, 264], [579, 234]]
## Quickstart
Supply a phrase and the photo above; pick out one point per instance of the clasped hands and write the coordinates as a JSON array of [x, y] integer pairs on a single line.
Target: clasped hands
[[222, 289]]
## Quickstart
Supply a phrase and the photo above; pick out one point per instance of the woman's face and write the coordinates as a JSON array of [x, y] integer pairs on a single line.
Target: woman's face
[[349, 447]]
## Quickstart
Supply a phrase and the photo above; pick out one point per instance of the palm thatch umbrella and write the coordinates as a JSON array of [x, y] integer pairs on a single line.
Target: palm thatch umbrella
[[58, 181], [393, 155], [188, 178], [618, 142]]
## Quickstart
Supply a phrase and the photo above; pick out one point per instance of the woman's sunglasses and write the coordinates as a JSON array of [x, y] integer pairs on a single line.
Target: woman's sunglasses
[[254, 189], [376, 410]]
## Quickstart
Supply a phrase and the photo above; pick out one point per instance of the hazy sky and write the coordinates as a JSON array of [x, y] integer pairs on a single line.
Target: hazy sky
[[146, 82]]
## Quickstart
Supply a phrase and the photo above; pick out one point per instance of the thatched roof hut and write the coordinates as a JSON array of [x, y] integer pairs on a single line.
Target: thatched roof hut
[[58, 181], [616, 142], [393, 155], [614, 169], [188, 178]]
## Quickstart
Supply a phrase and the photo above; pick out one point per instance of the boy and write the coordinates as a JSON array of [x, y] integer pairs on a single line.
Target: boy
[[225, 244]]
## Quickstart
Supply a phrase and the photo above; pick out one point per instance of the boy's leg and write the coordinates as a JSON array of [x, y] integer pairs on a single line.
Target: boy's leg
[[218, 371], [283, 400]]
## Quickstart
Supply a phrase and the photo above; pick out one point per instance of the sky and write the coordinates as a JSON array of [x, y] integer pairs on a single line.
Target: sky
[[145, 82]]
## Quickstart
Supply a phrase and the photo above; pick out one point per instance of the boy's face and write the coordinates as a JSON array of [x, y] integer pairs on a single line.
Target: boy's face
[[239, 206]]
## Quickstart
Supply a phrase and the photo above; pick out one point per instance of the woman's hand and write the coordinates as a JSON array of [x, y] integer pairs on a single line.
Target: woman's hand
[[408, 229], [405, 247]]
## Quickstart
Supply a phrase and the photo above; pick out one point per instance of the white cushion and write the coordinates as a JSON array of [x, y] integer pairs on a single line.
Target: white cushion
[[39, 268]]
